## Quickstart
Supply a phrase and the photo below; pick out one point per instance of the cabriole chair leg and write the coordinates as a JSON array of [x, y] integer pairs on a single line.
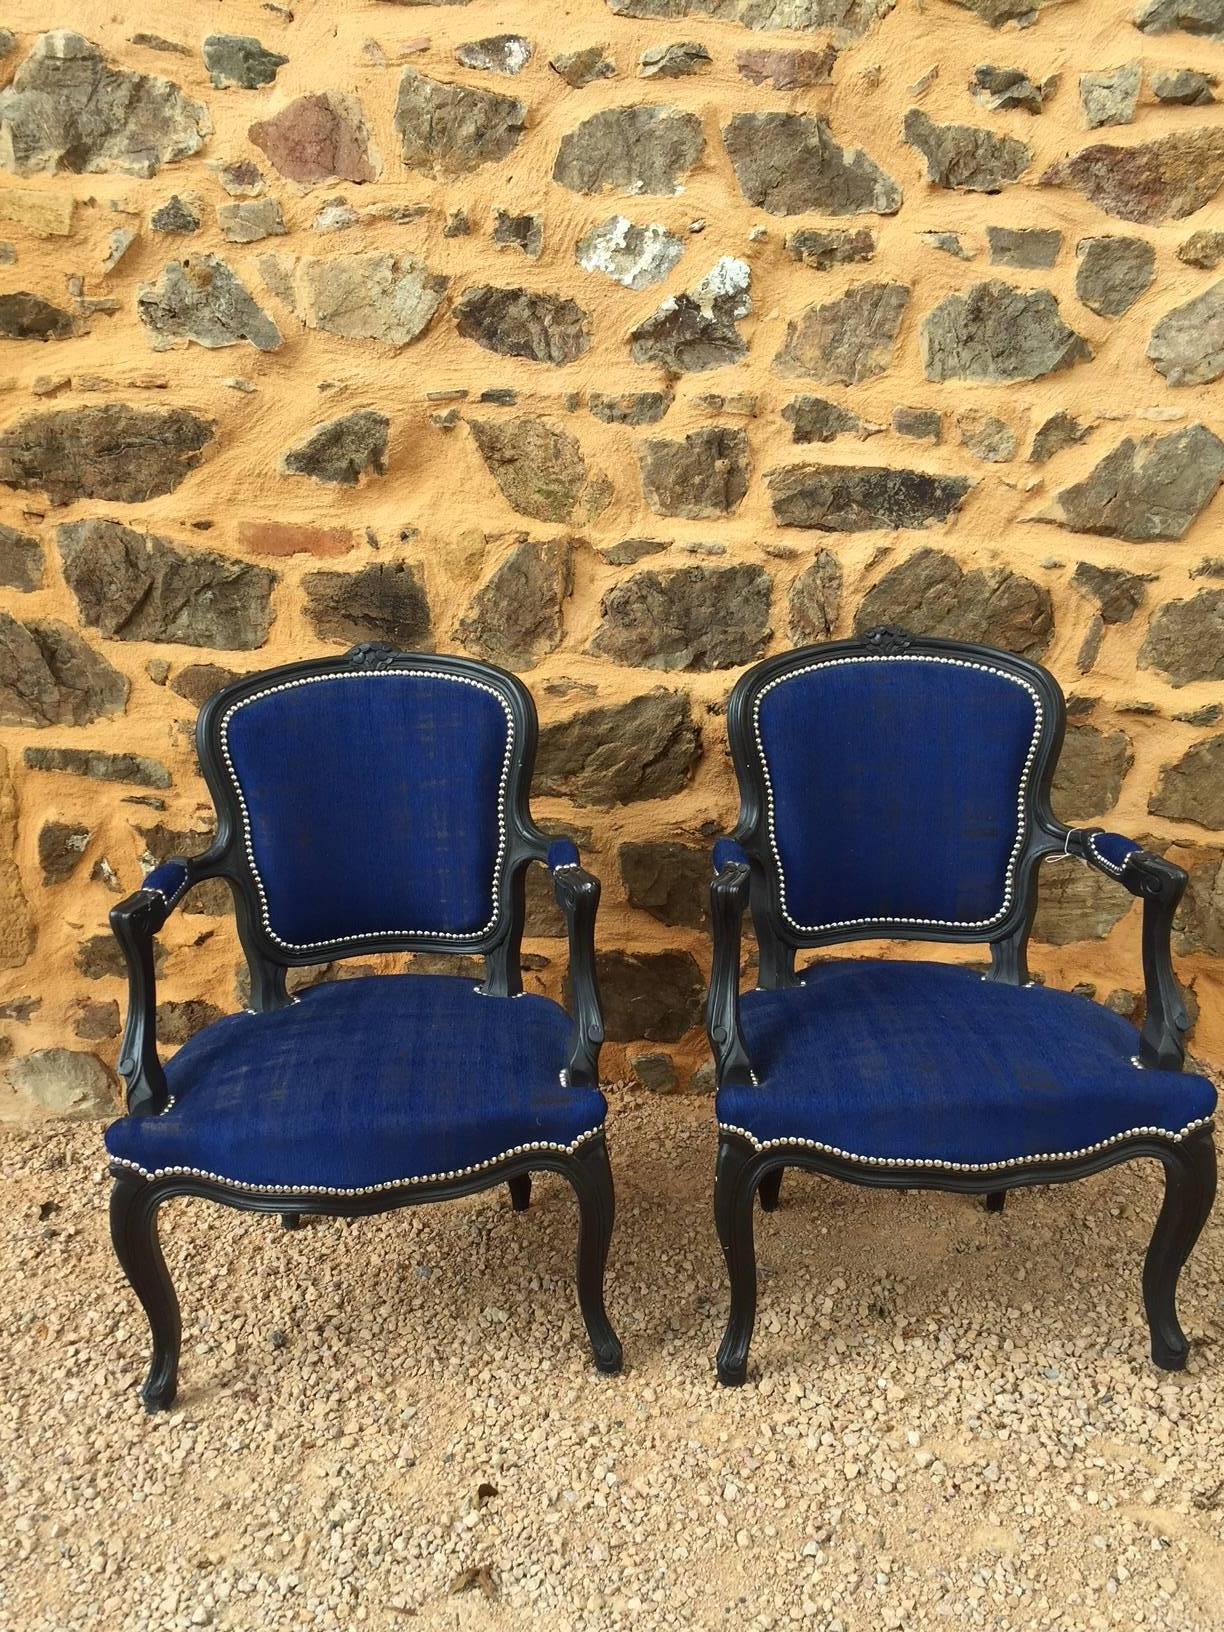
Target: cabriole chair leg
[[996, 1200], [590, 1173], [520, 1191], [1190, 1182], [133, 1213], [291, 1221], [733, 1201], [771, 1191]]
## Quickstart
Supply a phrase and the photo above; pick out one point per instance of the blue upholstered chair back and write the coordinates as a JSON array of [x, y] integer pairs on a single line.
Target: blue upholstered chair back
[[373, 803], [893, 790]]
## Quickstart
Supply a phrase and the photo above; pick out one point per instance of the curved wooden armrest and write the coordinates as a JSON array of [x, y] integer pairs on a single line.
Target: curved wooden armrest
[[577, 895], [728, 901]]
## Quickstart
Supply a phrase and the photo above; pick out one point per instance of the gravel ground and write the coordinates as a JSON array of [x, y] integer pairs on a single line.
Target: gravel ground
[[952, 1423]]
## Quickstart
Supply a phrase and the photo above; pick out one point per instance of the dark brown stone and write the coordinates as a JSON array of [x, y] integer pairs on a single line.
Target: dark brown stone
[[60, 848], [342, 451], [1091, 768], [930, 594], [643, 749], [1192, 789], [1186, 639], [643, 149], [1164, 180], [21, 560], [1148, 487], [94, 1021], [789, 164], [24, 316], [650, 996], [198, 681], [382, 602], [540, 469], [524, 323], [112, 452], [50, 676], [516, 616], [1118, 594], [451, 130], [862, 498], [846, 341], [692, 618], [965, 157], [100, 957], [669, 881], [1075, 903], [102, 767], [704, 476], [815, 599], [178, 1022], [995, 331]]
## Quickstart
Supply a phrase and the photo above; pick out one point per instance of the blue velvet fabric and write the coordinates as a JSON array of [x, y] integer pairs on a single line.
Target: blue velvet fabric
[[373, 804], [895, 783], [563, 853], [728, 852], [927, 1061], [363, 1083], [1113, 849], [167, 880]]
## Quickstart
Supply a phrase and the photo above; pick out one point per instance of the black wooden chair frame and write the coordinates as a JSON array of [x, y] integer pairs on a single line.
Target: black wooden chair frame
[[746, 1168], [136, 921]]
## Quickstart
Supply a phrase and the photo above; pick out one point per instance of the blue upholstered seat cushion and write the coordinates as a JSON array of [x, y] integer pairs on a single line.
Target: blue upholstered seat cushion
[[928, 1062], [364, 1083]]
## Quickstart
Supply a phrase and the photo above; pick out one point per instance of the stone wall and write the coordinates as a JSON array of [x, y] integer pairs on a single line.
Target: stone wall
[[620, 344]]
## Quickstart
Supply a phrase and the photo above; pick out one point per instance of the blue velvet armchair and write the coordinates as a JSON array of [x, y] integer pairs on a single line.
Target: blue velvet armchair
[[368, 804], [898, 787]]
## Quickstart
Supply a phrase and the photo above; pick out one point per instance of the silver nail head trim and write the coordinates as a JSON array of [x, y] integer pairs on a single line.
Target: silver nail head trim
[[365, 675], [965, 1167], [361, 1189], [1009, 876]]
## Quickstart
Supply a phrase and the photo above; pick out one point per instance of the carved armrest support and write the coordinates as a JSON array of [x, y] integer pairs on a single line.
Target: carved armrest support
[[1160, 885], [577, 895], [728, 902]]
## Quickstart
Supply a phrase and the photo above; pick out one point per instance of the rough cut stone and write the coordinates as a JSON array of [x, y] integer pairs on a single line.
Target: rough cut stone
[[386, 297], [1025, 247], [704, 476], [656, 1073], [651, 996], [540, 469], [179, 215], [1090, 772], [630, 255], [931, 594], [1113, 273], [696, 618], [846, 341], [516, 616], [670, 881], [524, 323], [138, 586], [630, 150], [1199, 924], [1118, 594], [986, 437], [581, 68], [824, 247], [786, 70], [1111, 97], [848, 19], [21, 560], [1192, 789], [240, 60], [177, 1021], [1186, 639], [995, 331], [1075, 903], [1148, 487], [920, 424], [630, 407], [64, 1082], [815, 419], [250, 220], [525, 232], [49, 676], [675, 61], [788, 164], [862, 498], [495, 54], [451, 130], [112, 452], [1201, 17], [964, 157], [320, 137], [1184, 87], [25, 316], [198, 681], [1163, 180], [815, 599], [343, 450], [203, 302], [1202, 249], [1061, 430], [133, 769], [695, 331], [1187, 345], [643, 749], [95, 1022], [66, 109], [1000, 89], [998, 13], [382, 602]]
